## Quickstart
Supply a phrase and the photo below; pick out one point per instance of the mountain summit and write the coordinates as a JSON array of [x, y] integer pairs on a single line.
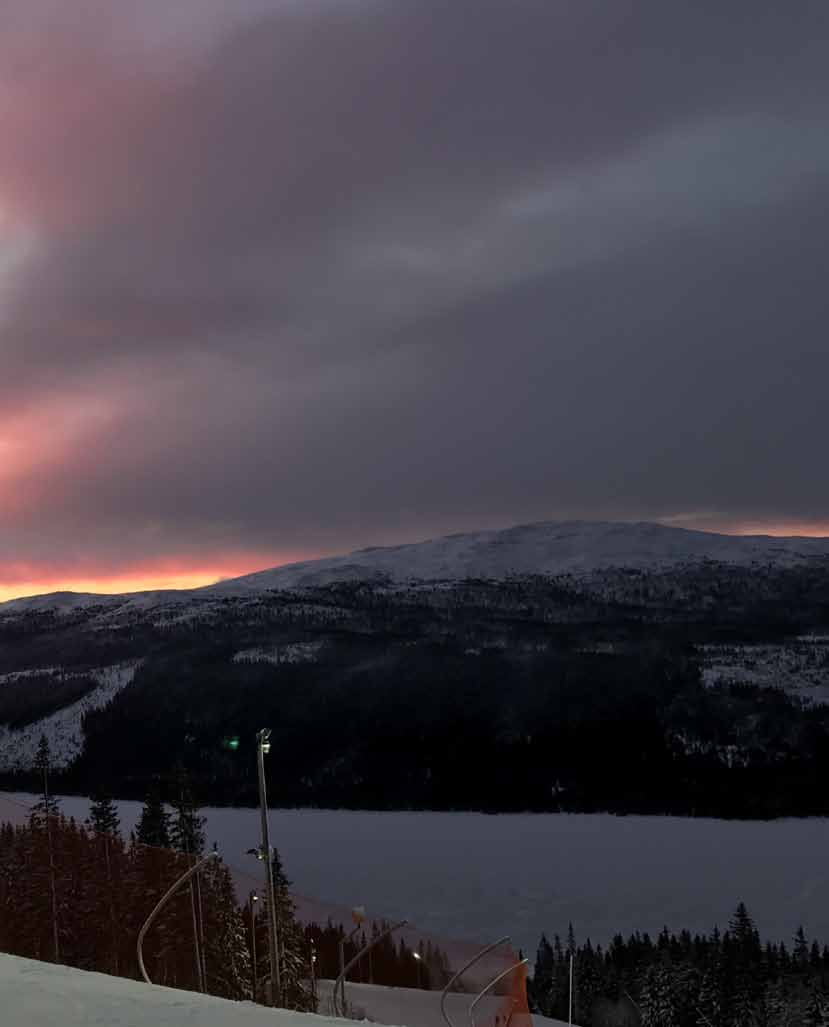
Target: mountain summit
[[545, 548]]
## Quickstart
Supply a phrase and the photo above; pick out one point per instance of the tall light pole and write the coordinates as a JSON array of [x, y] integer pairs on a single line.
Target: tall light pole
[[263, 746], [253, 897], [570, 1003]]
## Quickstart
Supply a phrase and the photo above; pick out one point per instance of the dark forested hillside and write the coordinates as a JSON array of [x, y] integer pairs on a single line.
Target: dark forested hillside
[[539, 694]]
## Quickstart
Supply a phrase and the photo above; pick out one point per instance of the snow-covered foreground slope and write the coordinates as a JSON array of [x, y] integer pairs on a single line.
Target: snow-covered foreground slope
[[546, 548], [36, 994]]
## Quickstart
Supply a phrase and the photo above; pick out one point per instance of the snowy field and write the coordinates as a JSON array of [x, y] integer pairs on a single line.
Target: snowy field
[[472, 876]]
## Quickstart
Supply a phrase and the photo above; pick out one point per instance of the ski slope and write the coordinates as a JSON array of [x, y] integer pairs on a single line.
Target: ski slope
[[37, 994], [64, 727]]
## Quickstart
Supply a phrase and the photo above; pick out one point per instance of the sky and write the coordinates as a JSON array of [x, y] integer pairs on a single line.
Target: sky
[[282, 278]]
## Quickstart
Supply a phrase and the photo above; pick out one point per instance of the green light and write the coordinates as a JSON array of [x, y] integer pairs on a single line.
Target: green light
[[232, 743]]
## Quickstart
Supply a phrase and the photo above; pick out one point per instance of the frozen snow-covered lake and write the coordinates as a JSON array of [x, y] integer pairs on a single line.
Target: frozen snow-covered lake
[[469, 875]]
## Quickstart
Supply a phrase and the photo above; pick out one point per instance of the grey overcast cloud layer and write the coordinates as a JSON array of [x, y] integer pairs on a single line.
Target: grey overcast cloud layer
[[299, 276]]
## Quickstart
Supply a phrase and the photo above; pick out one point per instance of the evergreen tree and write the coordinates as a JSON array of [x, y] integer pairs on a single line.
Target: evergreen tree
[[187, 826], [743, 930], [656, 1000], [103, 816], [227, 957], [153, 826], [294, 970], [711, 1001], [744, 957], [47, 806], [800, 952], [817, 1011], [775, 1010], [539, 991]]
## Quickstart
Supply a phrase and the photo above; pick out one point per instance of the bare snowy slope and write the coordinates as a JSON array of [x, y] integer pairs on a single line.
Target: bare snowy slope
[[547, 548]]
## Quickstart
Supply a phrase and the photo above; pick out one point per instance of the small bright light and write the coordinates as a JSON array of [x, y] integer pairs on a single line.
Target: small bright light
[[416, 955]]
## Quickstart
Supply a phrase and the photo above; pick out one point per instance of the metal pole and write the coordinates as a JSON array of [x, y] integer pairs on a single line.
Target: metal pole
[[160, 905], [51, 863], [253, 897], [341, 977], [202, 946], [462, 971], [491, 985], [273, 954], [197, 947], [342, 942], [340, 981], [570, 1004]]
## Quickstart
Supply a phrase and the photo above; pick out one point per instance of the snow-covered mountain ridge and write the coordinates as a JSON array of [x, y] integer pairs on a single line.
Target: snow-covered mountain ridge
[[578, 548], [545, 548]]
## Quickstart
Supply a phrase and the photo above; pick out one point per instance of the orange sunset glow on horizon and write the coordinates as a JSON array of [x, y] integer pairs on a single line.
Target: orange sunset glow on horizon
[[146, 579]]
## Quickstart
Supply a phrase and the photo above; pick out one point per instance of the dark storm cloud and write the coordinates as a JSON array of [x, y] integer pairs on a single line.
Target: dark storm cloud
[[318, 274]]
